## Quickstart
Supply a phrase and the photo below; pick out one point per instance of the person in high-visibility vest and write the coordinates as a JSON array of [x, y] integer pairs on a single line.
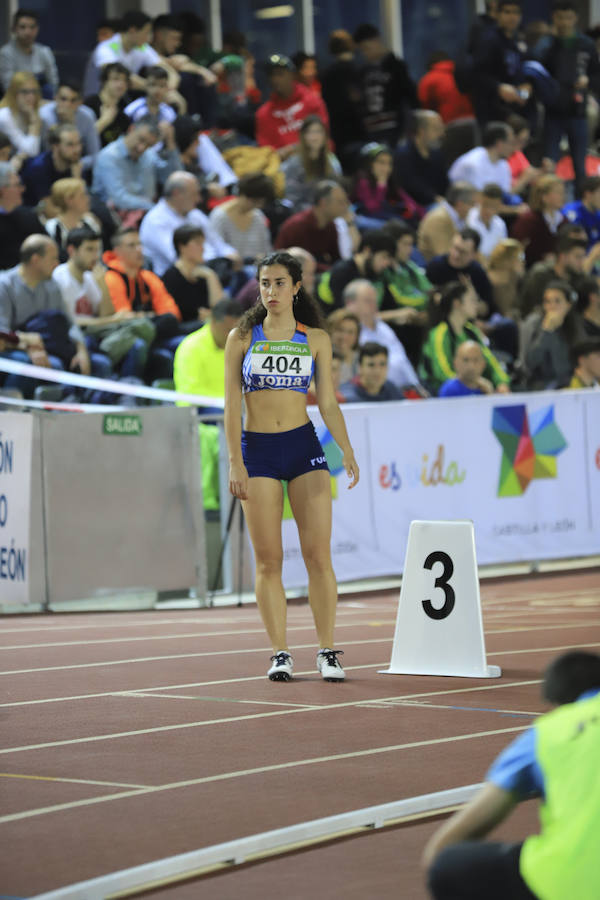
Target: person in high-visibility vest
[[556, 760]]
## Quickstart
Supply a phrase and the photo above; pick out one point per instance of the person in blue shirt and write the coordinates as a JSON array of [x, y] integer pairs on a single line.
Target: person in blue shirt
[[586, 212], [128, 171], [469, 363], [554, 760]]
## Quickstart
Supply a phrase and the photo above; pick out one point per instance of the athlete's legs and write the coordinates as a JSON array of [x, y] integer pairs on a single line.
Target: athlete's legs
[[263, 510], [310, 499]]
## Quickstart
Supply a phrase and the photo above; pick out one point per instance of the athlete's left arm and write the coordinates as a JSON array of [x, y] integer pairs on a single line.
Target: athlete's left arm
[[320, 346]]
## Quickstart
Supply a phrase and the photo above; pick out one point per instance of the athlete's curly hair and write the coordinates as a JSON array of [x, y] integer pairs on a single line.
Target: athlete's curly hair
[[306, 310]]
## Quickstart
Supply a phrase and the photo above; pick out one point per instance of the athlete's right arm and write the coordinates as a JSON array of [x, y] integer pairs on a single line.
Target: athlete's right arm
[[234, 355], [480, 815]]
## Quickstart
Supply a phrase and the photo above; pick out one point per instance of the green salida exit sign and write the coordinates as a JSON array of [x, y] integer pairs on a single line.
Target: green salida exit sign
[[121, 423]]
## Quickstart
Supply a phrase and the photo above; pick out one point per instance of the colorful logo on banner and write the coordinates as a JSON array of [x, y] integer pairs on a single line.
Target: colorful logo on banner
[[333, 455], [530, 445]]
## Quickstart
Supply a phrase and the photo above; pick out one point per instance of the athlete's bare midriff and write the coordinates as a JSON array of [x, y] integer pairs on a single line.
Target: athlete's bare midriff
[[275, 410]]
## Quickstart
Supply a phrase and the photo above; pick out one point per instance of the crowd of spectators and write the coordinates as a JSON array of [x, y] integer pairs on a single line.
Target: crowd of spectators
[[450, 248]]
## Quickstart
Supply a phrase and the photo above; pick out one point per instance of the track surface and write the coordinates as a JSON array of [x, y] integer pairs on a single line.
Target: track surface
[[128, 737]]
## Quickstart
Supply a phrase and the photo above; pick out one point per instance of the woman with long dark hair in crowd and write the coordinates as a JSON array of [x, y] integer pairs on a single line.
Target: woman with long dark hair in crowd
[[270, 359], [453, 312], [312, 162], [549, 337]]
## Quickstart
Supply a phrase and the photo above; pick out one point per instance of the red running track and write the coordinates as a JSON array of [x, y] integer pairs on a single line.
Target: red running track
[[128, 737]]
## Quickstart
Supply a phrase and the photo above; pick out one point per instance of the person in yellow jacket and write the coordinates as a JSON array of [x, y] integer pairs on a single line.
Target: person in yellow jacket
[[199, 368], [555, 760]]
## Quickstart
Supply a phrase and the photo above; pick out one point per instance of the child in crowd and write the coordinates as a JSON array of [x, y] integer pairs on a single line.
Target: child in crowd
[[306, 71], [376, 194], [153, 105], [486, 221], [586, 356], [109, 105], [194, 287]]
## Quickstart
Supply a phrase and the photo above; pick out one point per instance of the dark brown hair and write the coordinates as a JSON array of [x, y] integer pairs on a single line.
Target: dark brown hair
[[306, 310]]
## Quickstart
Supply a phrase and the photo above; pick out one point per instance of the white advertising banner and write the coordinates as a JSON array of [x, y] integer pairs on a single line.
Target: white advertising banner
[[16, 441], [525, 468]]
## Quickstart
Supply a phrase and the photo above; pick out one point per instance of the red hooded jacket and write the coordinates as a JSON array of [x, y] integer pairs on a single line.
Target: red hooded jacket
[[437, 90]]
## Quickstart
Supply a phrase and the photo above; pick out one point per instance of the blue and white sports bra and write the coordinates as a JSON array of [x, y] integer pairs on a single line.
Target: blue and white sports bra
[[277, 365]]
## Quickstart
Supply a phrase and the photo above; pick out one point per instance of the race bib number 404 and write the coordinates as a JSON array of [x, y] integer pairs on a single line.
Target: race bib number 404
[[281, 364]]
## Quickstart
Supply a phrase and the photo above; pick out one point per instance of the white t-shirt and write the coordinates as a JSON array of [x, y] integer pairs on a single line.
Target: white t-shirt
[[477, 168], [111, 50], [490, 234], [82, 298]]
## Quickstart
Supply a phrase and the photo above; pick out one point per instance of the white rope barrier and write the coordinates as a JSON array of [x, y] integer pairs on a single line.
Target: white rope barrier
[[42, 373], [60, 407]]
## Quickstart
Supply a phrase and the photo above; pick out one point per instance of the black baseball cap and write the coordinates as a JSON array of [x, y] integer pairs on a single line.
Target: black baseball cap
[[279, 61]]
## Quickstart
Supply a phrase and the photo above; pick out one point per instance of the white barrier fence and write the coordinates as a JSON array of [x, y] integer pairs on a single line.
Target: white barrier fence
[[97, 505], [525, 468]]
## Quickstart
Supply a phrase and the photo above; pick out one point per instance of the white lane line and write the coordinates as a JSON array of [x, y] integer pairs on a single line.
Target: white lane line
[[543, 649], [500, 613], [260, 770], [188, 635], [207, 653], [72, 780], [521, 628], [144, 659], [195, 684], [528, 598], [104, 624], [182, 726], [169, 687], [139, 694], [425, 704], [204, 617]]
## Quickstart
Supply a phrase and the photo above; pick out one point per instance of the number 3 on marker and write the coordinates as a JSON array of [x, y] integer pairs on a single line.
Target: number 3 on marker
[[442, 582]]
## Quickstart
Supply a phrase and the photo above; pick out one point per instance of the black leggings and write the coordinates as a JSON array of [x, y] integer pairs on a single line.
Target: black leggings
[[473, 869]]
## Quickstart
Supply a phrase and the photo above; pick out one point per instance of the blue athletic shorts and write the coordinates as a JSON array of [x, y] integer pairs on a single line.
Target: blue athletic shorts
[[283, 455]]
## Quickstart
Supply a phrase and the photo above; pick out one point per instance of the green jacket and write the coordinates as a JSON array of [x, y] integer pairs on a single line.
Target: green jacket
[[437, 356], [406, 285]]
